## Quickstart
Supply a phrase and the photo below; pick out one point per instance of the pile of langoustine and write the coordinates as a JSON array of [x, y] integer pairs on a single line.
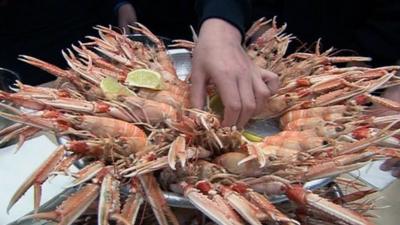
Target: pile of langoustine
[[149, 141]]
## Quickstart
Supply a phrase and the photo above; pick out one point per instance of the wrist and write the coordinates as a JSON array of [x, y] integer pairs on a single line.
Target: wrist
[[220, 31]]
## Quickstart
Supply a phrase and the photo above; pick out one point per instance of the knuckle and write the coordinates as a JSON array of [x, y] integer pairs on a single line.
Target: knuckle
[[244, 70], [237, 69], [222, 75], [234, 71], [247, 71], [251, 106], [234, 106]]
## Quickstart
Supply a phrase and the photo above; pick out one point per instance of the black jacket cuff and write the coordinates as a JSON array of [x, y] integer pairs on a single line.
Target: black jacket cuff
[[235, 12]]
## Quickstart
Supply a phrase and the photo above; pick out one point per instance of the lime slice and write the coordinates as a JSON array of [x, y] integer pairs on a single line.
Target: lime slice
[[112, 88], [145, 78], [216, 105], [252, 136]]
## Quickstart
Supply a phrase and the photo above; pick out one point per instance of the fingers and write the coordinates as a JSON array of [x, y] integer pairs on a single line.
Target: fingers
[[248, 100], [392, 164], [245, 98], [229, 93], [198, 89], [261, 92], [271, 79], [264, 88]]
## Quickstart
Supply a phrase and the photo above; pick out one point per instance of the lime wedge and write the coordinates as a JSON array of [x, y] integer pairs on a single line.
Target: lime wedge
[[252, 136], [112, 88], [216, 105], [145, 78]]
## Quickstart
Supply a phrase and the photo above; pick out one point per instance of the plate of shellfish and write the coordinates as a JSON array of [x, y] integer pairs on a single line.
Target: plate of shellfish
[[142, 155]]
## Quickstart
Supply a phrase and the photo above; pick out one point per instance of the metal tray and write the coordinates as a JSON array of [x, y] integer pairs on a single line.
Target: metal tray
[[7, 79]]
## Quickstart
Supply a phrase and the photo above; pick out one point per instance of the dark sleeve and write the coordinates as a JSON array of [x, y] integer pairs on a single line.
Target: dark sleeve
[[235, 12], [379, 36]]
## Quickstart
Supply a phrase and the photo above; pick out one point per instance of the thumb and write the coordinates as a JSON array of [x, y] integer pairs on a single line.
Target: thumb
[[271, 79]]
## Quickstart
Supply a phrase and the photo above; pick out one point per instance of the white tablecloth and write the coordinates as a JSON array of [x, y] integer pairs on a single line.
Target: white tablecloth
[[373, 176], [16, 167]]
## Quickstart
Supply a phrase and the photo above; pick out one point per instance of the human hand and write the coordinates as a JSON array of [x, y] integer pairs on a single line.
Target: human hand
[[219, 58], [393, 165], [126, 16]]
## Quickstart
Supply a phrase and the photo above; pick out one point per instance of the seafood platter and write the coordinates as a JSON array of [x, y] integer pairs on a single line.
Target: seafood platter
[[122, 113]]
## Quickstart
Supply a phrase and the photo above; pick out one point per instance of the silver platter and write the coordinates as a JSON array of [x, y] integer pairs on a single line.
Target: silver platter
[[182, 62]]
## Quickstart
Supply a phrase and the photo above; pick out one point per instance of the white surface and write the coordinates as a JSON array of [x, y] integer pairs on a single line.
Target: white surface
[[372, 175], [16, 167]]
